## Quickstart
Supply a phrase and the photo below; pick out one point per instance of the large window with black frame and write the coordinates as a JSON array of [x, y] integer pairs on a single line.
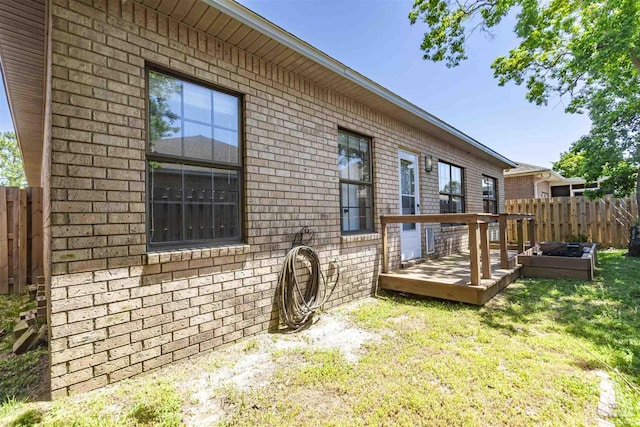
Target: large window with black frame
[[356, 195], [451, 186], [489, 194], [194, 163]]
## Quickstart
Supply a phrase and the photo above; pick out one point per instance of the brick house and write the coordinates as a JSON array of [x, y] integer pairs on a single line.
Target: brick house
[[530, 181], [180, 148]]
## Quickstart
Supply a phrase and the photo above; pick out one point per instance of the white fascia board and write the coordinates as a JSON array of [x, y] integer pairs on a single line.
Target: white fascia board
[[255, 21]]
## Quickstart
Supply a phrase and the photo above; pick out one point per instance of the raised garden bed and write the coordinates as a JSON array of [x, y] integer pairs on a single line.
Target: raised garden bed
[[560, 260]]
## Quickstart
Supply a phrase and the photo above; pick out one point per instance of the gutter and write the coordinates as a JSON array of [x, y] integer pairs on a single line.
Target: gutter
[[255, 21]]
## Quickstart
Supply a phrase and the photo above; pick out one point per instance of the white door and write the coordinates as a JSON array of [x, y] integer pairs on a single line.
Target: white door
[[410, 242]]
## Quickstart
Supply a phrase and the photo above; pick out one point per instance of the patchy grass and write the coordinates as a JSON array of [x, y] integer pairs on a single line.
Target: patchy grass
[[21, 376], [251, 345], [599, 318], [29, 417], [24, 376], [527, 358], [148, 402]]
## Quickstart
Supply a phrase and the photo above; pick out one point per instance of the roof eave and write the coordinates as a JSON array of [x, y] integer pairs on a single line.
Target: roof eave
[[253, 20]]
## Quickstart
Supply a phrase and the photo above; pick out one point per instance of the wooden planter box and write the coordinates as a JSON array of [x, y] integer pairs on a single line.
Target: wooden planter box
[[557, 267]]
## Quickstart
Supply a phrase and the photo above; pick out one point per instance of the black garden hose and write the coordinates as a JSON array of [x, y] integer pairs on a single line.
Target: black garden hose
[[296, 309]]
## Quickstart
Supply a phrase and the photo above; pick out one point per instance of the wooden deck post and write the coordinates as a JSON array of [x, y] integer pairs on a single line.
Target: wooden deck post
[[532, 231], [474, 252], [385, 260], [504, 250], [485, 253], [520, 236]]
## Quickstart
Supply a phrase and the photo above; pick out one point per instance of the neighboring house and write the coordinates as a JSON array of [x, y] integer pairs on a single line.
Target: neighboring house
[[182, 145], [529, 181]]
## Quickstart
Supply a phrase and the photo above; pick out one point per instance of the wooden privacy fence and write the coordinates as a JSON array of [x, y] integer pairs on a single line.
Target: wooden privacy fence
[[605, 221], [21, 251]]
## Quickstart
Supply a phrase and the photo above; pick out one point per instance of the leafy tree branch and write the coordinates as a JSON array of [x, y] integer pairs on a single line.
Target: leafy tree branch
[[11, 167], [585, 50]]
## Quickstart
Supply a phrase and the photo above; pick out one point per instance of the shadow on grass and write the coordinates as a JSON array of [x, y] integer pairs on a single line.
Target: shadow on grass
[[603, 312]]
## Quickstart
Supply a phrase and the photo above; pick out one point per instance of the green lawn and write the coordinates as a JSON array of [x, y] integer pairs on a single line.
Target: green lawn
[[529, 357]]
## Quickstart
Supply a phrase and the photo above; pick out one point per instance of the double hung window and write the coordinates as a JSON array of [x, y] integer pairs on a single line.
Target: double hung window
[[356, 195], [194, 163], [489, 194], [451, 185]]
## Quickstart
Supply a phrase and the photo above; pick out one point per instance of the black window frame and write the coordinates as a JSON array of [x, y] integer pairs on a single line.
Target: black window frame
[[486, 198], [450, 193], [369, 183], [151, 156]]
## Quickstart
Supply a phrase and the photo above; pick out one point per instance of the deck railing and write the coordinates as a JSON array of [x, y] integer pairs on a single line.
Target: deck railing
[[478, 223]]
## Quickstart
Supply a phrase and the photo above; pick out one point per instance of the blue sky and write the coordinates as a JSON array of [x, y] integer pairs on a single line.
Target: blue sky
[[5, 117], [374, 38]]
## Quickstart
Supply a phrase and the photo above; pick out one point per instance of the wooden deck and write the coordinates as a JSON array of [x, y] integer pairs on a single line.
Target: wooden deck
[[449, 278]]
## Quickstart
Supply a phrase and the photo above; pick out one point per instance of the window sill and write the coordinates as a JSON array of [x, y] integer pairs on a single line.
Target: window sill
[[186, 254], [349, 238]]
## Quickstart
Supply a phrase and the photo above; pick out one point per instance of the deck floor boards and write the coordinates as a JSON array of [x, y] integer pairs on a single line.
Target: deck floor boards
[[449, 277]]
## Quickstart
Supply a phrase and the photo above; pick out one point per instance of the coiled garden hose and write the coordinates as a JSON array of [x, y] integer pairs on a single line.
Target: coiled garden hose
[[296, 309]]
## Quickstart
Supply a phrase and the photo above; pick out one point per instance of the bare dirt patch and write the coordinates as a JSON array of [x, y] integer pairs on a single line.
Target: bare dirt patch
[[211, 379]]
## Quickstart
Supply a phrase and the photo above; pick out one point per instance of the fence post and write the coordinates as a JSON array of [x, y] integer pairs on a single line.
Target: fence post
[[504, 249], [546, 236], [22, 241], [4, 243], [607, 216], [531, 224]]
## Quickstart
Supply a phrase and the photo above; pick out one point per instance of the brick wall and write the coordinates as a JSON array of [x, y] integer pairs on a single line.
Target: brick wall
[[518, 187], [117, 310]]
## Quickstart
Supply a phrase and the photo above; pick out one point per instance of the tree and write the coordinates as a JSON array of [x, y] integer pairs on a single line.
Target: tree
[[585, 50], [161, 117], [11, 167], [592, 159], [571, 164]]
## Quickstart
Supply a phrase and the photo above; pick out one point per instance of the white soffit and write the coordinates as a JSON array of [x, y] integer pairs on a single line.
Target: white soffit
[[243, 28], [22, 57]]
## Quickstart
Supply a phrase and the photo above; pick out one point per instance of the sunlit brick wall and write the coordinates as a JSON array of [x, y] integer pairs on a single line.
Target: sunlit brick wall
[[117, 310], [518, 187]]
